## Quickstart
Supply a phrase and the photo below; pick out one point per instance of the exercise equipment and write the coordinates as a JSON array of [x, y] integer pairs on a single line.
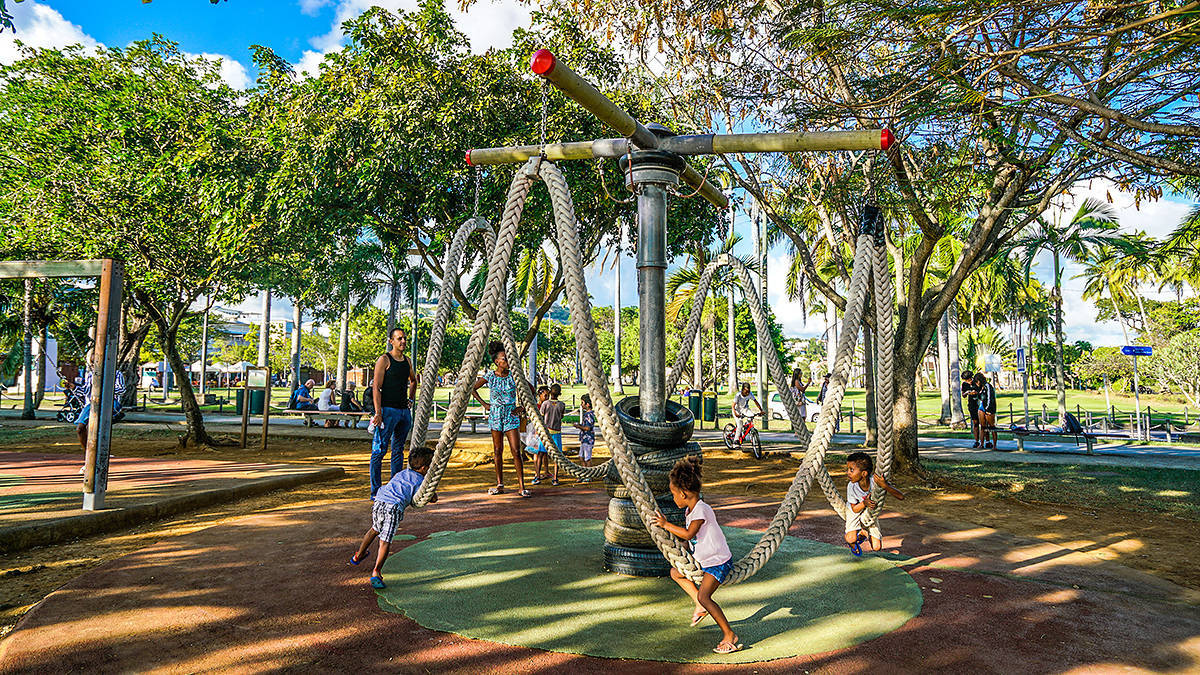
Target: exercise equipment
[[653, 160]]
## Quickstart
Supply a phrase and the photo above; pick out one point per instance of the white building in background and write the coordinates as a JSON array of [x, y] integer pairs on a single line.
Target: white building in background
[[50, 361]]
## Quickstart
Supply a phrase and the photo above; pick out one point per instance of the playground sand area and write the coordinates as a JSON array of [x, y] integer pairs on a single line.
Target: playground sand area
[[295, 539]]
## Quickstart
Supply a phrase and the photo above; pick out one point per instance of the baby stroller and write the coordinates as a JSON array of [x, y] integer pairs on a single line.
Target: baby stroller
[[73, 403]]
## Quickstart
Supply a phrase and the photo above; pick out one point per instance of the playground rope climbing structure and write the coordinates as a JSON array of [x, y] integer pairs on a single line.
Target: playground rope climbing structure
[[652, 159]]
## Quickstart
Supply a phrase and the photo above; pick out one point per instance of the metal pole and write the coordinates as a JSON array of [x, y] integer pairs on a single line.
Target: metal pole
[[616, 368], [1137, 397], [104, 361], [651, 173]]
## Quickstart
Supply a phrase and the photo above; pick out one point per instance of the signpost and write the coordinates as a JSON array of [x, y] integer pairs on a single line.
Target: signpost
[[257, 378], [1136, 351]]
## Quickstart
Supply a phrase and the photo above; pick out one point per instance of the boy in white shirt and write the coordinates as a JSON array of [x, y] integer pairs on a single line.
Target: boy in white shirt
[[860, 472], [741, 408]]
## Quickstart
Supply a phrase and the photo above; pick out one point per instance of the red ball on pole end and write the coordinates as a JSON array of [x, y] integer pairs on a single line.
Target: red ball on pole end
[[886, 139], [543, 62], [469, 158]]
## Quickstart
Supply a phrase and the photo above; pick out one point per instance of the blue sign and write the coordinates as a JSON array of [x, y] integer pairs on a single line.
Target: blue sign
[[1020, 359], [1136, 350]]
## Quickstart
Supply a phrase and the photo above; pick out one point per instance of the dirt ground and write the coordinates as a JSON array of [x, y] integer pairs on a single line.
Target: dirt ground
[[1159, 545]]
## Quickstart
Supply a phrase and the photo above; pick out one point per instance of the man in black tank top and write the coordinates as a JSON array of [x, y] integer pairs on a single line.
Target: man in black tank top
[[394, 385]]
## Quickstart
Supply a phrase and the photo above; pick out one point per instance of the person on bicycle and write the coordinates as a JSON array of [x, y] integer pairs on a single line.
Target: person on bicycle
[[741, 408]]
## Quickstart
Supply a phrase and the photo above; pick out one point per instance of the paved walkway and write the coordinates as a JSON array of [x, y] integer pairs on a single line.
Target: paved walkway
[[272, 591], [41, 494], [1110, 453]]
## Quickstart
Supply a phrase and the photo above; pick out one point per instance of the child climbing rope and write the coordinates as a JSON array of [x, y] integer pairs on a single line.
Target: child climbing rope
[[860, 471], [552, 411], [390, 502], [503, 417], [708, 545], [587, 431]]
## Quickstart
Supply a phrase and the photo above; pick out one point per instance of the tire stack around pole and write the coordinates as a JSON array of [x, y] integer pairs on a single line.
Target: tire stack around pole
[[628, 548]]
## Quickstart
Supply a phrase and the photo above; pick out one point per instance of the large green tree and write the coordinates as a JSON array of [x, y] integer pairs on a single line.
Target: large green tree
[[136, 153]]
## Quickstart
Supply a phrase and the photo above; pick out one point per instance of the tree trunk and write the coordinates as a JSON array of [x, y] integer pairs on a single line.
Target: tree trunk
[[39, 368], [195, 435], [943, 365], [297, 322], [393, 305], [1059, 376], [731, 346], [343, 344], [264, 330], [697, 363], [831, 335], [716, 378], [531, 313], [904, 411], [134, 330], [957, 419]]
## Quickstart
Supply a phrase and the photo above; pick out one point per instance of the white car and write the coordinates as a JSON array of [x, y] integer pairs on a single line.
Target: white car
[[779, 412]]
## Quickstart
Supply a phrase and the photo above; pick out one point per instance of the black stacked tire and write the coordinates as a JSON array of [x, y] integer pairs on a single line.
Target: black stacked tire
[[628, 547], [635, 562]]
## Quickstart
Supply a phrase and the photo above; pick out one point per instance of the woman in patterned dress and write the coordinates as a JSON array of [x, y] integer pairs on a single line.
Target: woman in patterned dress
[[503, 416]]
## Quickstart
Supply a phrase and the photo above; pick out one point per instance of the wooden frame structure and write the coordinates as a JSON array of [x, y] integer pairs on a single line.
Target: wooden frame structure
[[111, 273]]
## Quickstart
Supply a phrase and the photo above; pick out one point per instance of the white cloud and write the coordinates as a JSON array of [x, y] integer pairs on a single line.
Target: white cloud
[[232, 71], [488, 23], [312, 7], [38, 25]]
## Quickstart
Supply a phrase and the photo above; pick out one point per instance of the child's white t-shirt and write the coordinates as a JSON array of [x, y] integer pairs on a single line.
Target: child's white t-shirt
[[709, 546], [855, 493]]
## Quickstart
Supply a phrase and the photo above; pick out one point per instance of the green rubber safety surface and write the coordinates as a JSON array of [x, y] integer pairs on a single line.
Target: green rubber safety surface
[[541, 585]]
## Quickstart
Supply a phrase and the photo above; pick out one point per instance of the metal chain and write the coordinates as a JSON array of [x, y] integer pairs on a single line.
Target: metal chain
[[543, 127], [478, 181]]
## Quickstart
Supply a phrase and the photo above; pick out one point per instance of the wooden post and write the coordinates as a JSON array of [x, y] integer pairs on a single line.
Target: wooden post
[[104, 360], [245, 410]]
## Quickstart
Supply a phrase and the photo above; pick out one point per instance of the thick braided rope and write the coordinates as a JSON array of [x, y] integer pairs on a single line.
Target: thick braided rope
[[693, 325], [814, 458], [832, 495], [437, 334], [525, 399], [884, 391], [493, 293], [767, 346], [630, 472]]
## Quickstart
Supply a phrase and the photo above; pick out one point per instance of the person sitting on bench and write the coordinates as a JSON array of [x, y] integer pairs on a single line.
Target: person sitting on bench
[[349, 404], [303, 398]]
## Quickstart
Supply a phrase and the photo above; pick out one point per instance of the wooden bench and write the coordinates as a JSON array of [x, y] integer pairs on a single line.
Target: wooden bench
[[310, 414], [1088, 437]]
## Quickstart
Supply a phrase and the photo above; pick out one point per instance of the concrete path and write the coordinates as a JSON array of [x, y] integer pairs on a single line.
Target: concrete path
[[41, 494]]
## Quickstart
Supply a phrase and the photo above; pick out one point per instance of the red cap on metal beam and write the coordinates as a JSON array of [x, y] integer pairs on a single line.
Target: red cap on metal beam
[[543, 62], [469, 158], [886, 139]]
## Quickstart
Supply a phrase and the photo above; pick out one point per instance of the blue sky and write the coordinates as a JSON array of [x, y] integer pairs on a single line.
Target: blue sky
[[302, 31]]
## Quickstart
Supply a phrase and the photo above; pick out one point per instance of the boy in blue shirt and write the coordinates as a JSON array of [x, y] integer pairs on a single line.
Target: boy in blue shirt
[[390, 502]]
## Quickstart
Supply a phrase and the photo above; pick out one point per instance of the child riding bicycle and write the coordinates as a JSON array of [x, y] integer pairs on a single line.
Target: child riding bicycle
[[741, 409]]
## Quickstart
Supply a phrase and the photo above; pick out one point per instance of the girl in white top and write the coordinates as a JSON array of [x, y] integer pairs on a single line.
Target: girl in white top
[[708, 545], [325, 402], [860, 470]]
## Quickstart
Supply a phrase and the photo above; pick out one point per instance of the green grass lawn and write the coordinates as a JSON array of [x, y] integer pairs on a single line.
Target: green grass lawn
[[1170, 491]]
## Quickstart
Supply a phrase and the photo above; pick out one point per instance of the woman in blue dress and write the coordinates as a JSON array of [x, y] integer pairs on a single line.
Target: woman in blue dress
[[503, 416]]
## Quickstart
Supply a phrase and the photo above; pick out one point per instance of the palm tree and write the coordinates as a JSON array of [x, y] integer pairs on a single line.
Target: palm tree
[[1094, 224], [681, 287], [1103, 271], [533, 283]]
